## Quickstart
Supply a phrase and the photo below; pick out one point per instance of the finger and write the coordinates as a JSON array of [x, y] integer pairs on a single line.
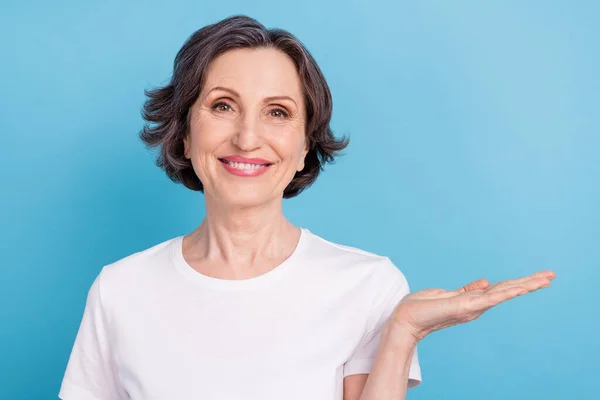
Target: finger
[[491, 299], [510, 282], [531, 283], [548, 274], [476, 285]]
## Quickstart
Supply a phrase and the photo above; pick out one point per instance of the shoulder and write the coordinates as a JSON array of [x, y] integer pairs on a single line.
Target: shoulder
[[328, 248], [137, 270], [376, 268]]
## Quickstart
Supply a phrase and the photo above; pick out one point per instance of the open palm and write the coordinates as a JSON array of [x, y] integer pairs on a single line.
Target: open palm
[[430, 310]]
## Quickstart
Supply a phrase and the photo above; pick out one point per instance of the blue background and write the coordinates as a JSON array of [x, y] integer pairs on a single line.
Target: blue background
[[474, 153]]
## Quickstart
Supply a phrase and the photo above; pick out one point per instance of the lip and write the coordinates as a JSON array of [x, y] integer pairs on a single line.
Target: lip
[[241, 159], [244, 172]]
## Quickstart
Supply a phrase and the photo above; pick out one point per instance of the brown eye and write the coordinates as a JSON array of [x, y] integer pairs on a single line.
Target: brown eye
[[279, 113], [221, 106]]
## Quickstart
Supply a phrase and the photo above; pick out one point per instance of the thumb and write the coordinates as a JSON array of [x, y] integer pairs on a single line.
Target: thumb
[[479, 284]]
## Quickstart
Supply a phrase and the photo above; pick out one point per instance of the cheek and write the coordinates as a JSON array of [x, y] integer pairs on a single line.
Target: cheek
[[288, 143], [207, 134]]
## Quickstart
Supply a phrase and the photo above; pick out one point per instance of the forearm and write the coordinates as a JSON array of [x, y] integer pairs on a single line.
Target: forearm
[[388, 379]]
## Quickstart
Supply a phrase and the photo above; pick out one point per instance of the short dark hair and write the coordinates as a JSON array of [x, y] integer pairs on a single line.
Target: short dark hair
[[167, 107]]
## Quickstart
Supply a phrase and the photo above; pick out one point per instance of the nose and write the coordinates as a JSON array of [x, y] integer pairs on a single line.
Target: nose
[[249, 135]]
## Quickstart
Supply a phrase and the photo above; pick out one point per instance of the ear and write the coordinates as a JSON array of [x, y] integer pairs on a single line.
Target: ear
[[186, 147], [303, 157]]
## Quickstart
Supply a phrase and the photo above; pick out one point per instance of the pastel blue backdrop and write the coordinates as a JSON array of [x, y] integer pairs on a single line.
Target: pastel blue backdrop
[[474, 153]]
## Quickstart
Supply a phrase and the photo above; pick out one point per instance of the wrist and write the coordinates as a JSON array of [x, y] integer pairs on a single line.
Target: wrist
[[399, 334]]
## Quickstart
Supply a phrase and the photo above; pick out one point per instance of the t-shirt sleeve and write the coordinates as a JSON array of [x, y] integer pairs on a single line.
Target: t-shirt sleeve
[[91, 372], [390, 286]]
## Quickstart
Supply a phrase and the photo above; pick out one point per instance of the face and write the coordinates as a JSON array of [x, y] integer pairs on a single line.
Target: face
[[247, 127]]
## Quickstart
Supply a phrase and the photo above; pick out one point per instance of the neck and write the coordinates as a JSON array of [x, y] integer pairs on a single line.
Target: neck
[[243, 235]]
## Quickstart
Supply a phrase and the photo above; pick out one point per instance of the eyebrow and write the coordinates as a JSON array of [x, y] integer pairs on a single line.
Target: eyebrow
[[266, 99]]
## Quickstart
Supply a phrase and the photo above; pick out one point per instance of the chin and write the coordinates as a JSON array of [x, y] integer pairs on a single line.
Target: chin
[[246, 197]]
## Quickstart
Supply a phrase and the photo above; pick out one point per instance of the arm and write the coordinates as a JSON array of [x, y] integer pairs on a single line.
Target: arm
[[389, 288], [388, 379], [429, 310]]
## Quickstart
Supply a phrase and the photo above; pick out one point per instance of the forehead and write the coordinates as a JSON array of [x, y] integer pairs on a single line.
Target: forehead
[[259, 71]]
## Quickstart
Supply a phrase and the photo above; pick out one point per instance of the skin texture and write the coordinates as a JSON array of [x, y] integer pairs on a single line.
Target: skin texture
[[242, 122], [251, 105]]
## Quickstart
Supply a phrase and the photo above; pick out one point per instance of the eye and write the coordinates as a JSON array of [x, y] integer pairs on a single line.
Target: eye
[[221, 106], [279, 113]]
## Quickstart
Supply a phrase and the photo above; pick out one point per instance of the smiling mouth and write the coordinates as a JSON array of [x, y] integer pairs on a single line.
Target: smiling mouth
[[244, 166]]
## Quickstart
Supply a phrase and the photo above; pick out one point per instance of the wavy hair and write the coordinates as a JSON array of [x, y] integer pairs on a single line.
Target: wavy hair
[[166, 109]]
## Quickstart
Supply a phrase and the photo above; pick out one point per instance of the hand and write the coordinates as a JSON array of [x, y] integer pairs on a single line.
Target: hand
[[433, 309]]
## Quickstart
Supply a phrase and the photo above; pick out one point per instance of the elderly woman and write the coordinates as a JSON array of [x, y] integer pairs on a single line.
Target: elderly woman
[[249, 306]]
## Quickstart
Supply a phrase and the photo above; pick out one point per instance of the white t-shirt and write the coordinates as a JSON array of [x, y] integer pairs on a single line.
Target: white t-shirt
[[153, 328]]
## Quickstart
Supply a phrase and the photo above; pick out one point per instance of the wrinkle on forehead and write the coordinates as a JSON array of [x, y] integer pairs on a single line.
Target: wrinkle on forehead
[[255, 73]]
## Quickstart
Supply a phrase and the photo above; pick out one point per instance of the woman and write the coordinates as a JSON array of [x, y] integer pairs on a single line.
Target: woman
[[249, 306]]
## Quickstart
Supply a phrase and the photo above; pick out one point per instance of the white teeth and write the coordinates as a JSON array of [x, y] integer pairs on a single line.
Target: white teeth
[[246, 166]]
